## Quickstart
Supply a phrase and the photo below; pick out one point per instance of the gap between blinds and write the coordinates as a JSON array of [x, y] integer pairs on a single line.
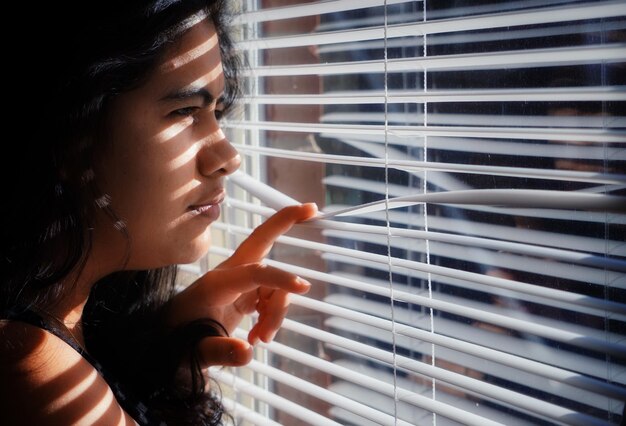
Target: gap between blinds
[[537, 381], [539, 199]]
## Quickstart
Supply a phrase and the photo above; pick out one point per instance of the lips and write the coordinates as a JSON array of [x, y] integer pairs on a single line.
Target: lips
[[209, 208], [203, 208]]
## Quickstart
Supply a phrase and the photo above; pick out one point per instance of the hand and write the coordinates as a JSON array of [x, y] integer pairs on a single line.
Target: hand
[[240, 286]]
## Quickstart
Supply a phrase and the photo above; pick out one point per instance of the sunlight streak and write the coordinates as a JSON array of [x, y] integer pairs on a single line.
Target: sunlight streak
[[76, 392], [213, 75], [171, 132], [99, 410], [184, 190], [190, 154], [190, 55]]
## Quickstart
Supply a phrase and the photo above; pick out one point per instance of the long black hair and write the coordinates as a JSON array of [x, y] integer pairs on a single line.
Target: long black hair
[[76, 58]]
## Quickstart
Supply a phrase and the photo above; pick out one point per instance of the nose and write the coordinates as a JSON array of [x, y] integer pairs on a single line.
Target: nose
[[218, 157]]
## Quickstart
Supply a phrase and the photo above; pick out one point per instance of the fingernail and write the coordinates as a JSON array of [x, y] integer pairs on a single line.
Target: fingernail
[[314, 205], [303, 282]]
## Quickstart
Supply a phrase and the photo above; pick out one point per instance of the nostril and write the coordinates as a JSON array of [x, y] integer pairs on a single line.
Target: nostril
[[221, 158], [234, 165]]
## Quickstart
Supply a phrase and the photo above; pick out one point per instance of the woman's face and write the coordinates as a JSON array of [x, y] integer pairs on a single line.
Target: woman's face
[[165, 158]]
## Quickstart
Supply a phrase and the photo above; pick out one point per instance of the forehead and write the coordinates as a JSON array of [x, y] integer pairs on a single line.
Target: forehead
[[192, 60]]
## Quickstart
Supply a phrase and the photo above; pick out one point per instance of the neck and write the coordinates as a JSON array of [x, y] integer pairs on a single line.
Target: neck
[[70, 310], [77, 287]]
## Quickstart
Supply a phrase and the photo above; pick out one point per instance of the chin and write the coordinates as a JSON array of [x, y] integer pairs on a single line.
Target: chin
[[171, 249], [194, 251]]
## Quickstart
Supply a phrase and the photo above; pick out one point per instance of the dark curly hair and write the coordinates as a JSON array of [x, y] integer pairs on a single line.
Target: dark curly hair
[[84, 54]]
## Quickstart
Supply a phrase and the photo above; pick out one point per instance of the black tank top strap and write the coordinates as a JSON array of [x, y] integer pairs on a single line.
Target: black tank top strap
[[137, 410], [50, 324]]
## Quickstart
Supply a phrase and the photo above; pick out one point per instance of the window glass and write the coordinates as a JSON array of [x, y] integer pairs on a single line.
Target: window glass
[[506, 309]]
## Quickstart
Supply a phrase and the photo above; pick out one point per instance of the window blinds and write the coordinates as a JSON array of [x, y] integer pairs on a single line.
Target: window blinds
[[483, 281]]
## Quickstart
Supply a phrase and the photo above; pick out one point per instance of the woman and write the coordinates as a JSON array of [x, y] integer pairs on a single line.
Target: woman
[[118, 173]]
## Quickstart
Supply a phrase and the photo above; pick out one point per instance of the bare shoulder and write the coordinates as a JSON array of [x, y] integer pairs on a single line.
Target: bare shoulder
[[49, 383]]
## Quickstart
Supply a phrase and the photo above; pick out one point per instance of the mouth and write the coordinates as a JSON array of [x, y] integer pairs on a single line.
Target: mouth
[[202, 209], [210, 208]]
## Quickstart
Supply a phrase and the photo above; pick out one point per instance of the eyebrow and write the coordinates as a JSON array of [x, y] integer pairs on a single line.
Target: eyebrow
[[191, 92]]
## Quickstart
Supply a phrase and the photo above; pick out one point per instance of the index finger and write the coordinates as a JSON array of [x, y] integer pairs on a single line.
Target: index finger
[[259, 243]]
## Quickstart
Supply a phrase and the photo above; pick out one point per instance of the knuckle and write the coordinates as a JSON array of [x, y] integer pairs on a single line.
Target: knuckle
[[255, 269]]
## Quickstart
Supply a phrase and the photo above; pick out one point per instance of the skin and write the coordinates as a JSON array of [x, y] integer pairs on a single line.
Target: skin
[[165, 162]]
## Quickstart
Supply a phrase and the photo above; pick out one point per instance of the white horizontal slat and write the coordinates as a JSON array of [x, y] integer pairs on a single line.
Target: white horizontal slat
[[466, 23], [494, 259], [527, 133], [571, 368], [571, 256], [515, 286], [456, 142], [316, 8], [375, 187], [283, 404], [524, 402], [506, 198], [481, 9], [461, 284], [475, 365], [475, 120], [413, 165], [368, 97], [459, 402], [363, 310], [401, 411], [376, 149], [460, 333], [515, 309], [240, 411], [549, 57], [565, 360], [446, 280], [506, 233], [301, 385], [412, 42], [404, 394], [473, 402], [537, 150], [445, 26], [275, 200], [346, 417], [478, 364], [479, 342]]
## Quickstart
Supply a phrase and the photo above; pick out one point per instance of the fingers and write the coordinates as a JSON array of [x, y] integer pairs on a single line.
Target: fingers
[[259, 243], [272, 307], [247, 302], [218, 289], [223, 286], [226, 351]]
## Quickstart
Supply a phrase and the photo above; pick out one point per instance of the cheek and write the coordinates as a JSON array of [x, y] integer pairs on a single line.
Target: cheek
[[137, 168], [152, 198], [159, 243], [150, 179]]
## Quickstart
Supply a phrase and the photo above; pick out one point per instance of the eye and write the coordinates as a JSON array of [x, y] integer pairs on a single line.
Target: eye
[[185, 112], [219, 113]]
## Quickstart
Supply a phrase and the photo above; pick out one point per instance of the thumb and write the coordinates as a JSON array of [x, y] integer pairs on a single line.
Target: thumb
[[224, 351]]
